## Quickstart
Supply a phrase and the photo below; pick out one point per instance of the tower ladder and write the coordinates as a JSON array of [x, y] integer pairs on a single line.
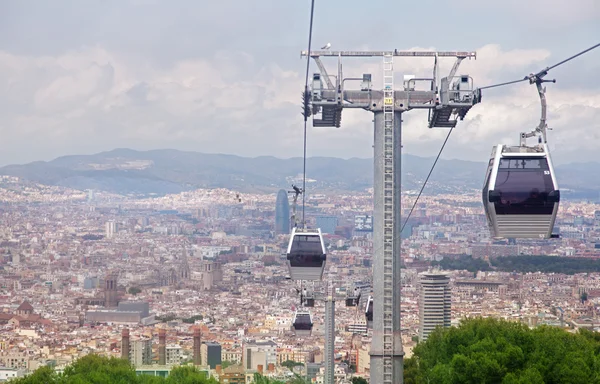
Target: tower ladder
[[388, 217]]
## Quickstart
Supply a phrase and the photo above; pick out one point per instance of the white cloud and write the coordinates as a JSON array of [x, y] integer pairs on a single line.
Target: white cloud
[[541, 13], [93, 99]]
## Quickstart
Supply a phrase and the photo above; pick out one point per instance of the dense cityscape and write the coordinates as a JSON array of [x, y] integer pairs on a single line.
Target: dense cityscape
[[201, 278], [288, 192]]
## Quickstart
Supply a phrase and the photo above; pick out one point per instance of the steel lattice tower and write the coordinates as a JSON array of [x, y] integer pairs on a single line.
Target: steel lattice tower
[[448, 102]]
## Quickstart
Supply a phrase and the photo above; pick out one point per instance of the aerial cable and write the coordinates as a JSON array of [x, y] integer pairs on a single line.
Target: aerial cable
[[571, 58], [540, 74], [306, 109], [426, 180], [543, 72], [502, 84]]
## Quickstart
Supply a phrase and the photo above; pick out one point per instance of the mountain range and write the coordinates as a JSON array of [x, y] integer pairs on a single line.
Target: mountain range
[[158, 172]]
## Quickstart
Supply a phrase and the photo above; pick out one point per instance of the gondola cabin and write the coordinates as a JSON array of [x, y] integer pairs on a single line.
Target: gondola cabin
[[302, 323], [308, 298], [306, 254], [369, 312], [353, 298], [520, 194]]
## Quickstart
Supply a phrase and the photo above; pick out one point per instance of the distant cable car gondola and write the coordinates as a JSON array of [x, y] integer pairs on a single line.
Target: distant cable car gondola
[[302, 323], [369, 312], [307, 298], [353, 298], [520, 194], [306, 254]]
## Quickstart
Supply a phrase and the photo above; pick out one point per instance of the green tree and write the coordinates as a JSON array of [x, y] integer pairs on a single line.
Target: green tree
[[43, 374], [166, 318], [149, 379], [188, 375], [410, 371], [359, 380], [290, 364], [260, 379], [99, 369], [226, 363], [498, 351], [192, 319], [134, 290], [94, 369], [299, 380]]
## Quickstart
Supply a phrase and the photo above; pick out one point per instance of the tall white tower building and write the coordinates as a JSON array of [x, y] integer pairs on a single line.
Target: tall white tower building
[[111, 228], [435, 303]]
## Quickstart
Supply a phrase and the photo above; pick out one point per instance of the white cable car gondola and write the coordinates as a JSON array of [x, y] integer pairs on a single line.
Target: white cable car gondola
[[520, 194], [307, 298], [306, 254], [353, 298], [369, 312], [302, 323]]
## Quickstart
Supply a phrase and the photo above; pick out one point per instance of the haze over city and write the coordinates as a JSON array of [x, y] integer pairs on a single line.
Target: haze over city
[[223, 78], [163, 221]]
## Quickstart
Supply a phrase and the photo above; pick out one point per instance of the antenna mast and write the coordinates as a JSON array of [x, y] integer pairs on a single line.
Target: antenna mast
[[297, 192]]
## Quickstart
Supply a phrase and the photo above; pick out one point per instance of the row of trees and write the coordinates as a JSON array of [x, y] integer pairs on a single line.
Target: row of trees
[[522, 263], [94, 369], [478, 351], [497, 351]]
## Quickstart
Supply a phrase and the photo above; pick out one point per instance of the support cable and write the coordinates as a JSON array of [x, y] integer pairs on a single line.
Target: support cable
[[538, 75], [543, 72], [426, 180], [306, 110]]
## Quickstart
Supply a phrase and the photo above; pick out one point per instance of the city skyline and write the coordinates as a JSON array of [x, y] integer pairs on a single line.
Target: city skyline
[[209, 260], [120, 239]]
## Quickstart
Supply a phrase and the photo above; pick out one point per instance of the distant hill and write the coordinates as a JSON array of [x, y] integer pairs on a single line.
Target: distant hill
[[127, 171]]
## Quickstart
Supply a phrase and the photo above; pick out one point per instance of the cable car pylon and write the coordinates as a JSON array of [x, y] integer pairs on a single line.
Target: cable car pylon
[[449, 99]]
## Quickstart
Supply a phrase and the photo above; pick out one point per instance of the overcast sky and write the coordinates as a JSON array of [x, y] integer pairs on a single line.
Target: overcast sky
[[80, 77]]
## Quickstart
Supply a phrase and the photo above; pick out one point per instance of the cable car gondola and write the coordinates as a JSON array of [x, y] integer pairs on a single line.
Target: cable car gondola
[[307, 298], [306, 254], [302, 323], [353, 298], [369, 312], [520, 194]]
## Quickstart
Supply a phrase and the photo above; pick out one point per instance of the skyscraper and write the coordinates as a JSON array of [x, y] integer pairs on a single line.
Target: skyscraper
[[282, 213], [328, 224], [111, 228], [435, 303]]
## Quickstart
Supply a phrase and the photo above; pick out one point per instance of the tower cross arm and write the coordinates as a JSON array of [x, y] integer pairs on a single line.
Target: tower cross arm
[[462, 54]]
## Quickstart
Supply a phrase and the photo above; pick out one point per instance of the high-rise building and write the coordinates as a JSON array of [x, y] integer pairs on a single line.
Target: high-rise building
[[141, 352], [111, 229], [282, 213], [162, 346], [125, 344], [363, 223], [259, 353], [197, 345], [173, 354], [111, 298], [435, 303], [211, 354], [328, 224]]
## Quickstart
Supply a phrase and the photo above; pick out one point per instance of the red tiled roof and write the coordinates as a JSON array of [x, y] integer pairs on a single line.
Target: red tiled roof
[[25, 307]]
